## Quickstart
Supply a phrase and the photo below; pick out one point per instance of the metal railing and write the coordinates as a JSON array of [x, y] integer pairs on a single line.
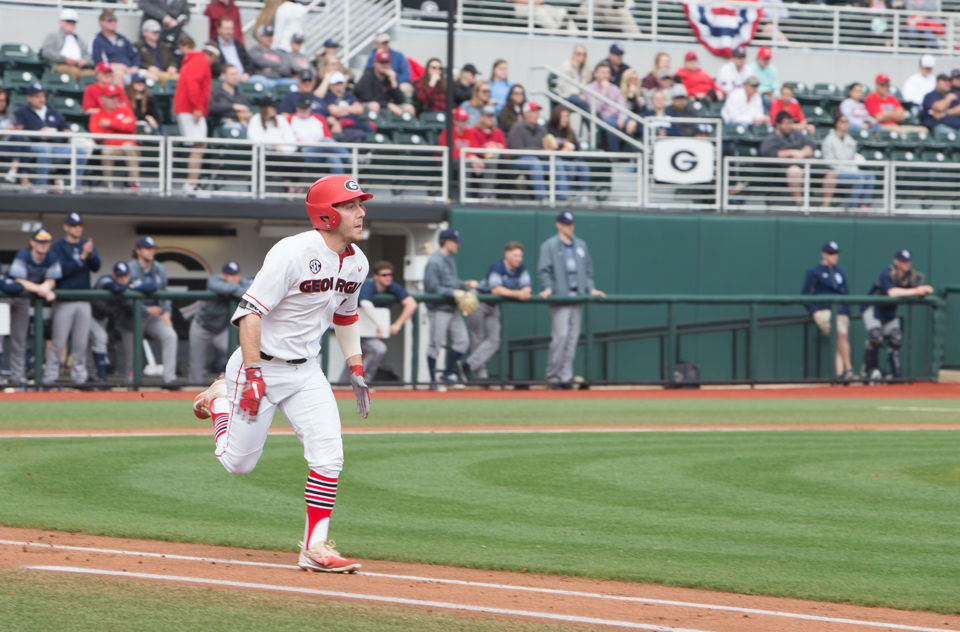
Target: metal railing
[[787, 25], [352, 23]]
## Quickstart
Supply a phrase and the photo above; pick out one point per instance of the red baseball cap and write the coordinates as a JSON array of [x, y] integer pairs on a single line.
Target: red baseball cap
[[459, 114], [102, 67], [531, 106], [883, 78], [110, 90], [764, 53], [690, 55], [383, 55]]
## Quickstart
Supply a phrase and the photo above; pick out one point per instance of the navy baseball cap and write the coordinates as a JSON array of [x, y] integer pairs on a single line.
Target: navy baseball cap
[[297, 37], [72, 219], [265, 30], [305, 101], [231, 267], [34, 88], [565, 217], [831, 247], [903, 255], [146, 242], [331, 43], [120, 268], [739, 52], [616, 48], [449, 234], [306, 75]]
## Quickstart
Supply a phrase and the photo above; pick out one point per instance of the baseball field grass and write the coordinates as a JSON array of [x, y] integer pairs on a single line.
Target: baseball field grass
[[856, 516]]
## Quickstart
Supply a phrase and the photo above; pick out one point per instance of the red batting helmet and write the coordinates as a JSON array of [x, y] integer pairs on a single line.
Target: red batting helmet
[[326, 192]]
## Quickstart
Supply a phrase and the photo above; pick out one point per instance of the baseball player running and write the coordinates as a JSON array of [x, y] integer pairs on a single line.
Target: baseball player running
[[307, 281]]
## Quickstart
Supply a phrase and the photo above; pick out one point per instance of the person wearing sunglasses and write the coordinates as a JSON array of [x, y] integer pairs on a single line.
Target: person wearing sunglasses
[[430, 90], [113, 48]]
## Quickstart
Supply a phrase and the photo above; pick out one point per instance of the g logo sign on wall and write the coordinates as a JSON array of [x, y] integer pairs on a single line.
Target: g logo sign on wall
[[683, 161]]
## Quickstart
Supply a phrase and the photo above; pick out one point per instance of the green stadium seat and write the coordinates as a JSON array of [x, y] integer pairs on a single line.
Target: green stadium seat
[[904, 155], [20, 57], [18, 80], [66, 104], [932, 155], [232, 131], [60, 83], [407, 138], [279, 92], [433, 120]]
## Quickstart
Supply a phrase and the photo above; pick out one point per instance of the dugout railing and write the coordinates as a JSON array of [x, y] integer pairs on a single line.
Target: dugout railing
[[593, 338]]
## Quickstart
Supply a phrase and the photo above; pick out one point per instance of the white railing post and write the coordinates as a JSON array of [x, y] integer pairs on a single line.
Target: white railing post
[[259, 155], [890, 187], [168, 172], [73, 163], [590, 10], [896, 32], [836, 28], [530, 22], [355, 162], [725, 184], [552, 173], [654, 16], [649, 133], [806, 186]]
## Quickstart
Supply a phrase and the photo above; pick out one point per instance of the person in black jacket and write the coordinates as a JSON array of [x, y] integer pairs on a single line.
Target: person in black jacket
[[38, 116], [232, 51], [378, 88], [229, 106], [144, 105]]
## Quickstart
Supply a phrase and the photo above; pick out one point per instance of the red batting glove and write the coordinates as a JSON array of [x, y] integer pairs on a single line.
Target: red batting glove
[[360, 390], [253, 390]]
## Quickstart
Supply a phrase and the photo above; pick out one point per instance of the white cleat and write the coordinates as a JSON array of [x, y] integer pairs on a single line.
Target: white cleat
[[201, 403], [324, 558]]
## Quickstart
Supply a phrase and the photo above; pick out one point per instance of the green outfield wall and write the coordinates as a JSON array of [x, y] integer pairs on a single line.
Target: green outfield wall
[[688, 254]]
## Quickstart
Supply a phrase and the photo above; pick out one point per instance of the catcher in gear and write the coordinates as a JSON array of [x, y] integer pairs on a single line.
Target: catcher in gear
[[308, 282]]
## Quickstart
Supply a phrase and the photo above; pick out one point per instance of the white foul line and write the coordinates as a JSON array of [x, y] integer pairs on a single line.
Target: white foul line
[[919, 409], [364, 597], [458, 582]]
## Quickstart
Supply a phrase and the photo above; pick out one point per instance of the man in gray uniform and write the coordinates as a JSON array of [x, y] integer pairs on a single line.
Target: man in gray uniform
[[209, 326], [158, 320], [440, 277], [37, 270], [71, 320], [564, 269]]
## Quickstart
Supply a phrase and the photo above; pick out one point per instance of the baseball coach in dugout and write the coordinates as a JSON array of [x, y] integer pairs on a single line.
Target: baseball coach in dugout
[[307, 282]]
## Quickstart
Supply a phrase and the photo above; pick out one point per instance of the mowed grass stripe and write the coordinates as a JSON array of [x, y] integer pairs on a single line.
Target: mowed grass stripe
[[863, 517], [433, 412]]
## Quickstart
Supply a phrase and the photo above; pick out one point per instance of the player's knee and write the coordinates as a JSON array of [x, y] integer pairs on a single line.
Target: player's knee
[[329, 470], [239, 465], [874, 338], [895, 340]]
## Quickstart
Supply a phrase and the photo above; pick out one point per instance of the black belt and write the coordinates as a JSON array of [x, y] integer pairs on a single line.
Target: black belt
[[264, 356]]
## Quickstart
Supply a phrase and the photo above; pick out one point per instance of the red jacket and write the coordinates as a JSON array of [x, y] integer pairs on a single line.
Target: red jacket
[[193, 86], [467, 139], [696, 83], [793, 108], [216, 11], [91, 97], [122, 121], [492, 138]]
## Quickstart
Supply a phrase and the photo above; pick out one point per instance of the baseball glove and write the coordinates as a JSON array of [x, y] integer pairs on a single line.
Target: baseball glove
[[467, 302]]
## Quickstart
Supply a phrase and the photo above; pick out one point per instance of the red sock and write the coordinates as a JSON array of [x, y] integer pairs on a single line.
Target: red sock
[[320, 494], [220, 423]]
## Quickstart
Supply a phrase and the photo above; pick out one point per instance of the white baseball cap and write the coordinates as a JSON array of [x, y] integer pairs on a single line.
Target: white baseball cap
[[927, 61], [69, 15], [335, 78]]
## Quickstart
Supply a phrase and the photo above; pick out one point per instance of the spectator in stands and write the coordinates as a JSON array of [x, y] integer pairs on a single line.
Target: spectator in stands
[[298, 60], [700, 85], [331, 50], [546, 15], [612, 115], [840, 150], [333, 66], [306, 84], [513, 109], [379, 88], [787, 103], [665, 83], [499, 84], [115, 49], [219, 10], [191, 102], [528, 134], [232, 50], [785, 142], [632, 93], [884, 107], [487, 135], [37, 270], [658, 109], [91, 94], [310, 127], [172, 15], [578, 69], [396, 60], [276, 135], [744, 106], [288, 21], [940, 110], [921, 83], [827, 278], [560, 137], [144, 105], [508, 278], [612, 16], [856, 112], [229, 106], [344, 111], [430, 91], [679, 108], [478, 100], [36, 115], [734, 73], [463, 86], [210, 323], [661, 63], [462, 138], [114, 117], [8, 121], [764, 70], [955, 81], [615, 63], [158, 319], [65, 50], [156, 56], [270, 66], [265, 17]]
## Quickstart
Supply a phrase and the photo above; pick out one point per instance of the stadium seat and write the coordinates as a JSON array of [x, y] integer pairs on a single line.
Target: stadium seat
[[280, 91], [60, 83], [20, 57], [932, 155], [433, 120], [902, 155], [407, 138], [18, 80], [254, 91]]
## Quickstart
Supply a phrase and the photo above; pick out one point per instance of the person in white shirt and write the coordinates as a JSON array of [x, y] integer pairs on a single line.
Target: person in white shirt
[[734, 73], [275, 133], [921, 83], [66, 50], [287, 20], [744, 105], [312, 128]]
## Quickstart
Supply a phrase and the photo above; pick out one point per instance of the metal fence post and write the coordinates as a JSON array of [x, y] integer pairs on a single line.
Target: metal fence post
[[671, 350], [588, 342], [552, 173], [415, 347], [38, 340], [137, 342], [752, 344], [73, 164], [938, 340]]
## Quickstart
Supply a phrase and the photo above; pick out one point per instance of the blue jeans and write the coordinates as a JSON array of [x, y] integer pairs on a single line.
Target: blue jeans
[[613, 141], [333, 156], [861, 187], [579, 172], [270, 84], [577, 101], [44, 162], [536, 170]]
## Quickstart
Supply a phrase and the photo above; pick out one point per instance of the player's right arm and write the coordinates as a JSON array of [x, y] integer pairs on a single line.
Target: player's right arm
[[250, 339]]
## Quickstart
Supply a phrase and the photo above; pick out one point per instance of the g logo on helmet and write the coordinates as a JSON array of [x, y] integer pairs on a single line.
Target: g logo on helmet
[[351, 185]]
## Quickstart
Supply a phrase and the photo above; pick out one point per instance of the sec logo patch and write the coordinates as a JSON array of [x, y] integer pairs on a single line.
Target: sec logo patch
[[315, 266]]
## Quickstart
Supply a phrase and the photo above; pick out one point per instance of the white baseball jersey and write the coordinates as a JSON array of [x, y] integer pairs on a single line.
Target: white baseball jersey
[[301, 289]]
